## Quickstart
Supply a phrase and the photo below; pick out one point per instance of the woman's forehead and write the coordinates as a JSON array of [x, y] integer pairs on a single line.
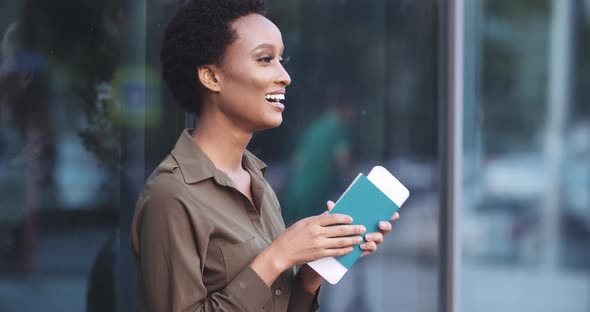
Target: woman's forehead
[[256, 30]]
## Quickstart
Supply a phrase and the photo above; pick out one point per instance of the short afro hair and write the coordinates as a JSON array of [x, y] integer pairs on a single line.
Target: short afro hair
[[199, 34]]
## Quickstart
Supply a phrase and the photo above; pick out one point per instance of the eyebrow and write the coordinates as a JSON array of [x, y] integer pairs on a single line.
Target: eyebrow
[[264, 45]]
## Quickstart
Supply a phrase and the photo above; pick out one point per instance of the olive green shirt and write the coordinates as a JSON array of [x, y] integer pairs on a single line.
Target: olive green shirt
[[194, 235]]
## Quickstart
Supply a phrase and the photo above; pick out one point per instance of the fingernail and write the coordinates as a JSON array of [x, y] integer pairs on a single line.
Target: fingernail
[[382, 224], [363, 246], [359, 240], [363, 229], [369, 237]]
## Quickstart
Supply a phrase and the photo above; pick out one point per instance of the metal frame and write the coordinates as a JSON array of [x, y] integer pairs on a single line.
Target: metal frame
[[451, 152]]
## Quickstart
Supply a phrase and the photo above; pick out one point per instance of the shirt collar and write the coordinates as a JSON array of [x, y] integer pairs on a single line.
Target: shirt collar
[[196, 166]]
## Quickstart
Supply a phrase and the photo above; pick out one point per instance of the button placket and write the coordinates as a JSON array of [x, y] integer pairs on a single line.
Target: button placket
[[253, 213], [258, 191]]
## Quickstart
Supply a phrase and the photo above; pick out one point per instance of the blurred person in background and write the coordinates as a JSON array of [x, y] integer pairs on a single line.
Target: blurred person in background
[[24, 90], [322, 157], [55, 63]]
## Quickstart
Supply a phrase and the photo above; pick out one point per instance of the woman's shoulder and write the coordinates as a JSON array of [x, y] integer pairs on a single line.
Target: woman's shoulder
[[165, 182], [161, 200]]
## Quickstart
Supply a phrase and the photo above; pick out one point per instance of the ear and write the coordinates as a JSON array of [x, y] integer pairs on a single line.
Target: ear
[[209, 77]]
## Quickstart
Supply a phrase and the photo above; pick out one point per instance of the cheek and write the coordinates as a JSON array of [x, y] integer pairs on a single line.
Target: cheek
[[250, 79], [248, 89], [256, 84]]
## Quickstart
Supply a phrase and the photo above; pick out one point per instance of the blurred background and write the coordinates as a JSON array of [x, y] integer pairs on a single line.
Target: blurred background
[[84, 118]]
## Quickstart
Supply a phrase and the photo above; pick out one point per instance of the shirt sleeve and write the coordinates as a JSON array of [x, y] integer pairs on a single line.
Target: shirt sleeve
[[301, 299], [170, 264]]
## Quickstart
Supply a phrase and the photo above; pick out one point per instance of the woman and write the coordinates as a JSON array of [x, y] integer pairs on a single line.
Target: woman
[[24, 98], [207, 232]]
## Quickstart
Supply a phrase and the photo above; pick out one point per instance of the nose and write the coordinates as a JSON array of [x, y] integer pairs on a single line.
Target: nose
[[283, 77]]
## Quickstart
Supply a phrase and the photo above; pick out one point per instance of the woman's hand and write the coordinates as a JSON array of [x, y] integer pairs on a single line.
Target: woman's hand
[[373, 239], [326, 235], [317, 237]]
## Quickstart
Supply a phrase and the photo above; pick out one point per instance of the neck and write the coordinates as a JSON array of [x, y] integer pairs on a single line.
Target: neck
[[222, 141]]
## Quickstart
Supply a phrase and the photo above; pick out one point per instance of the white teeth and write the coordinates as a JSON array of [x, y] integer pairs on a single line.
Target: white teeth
[[275, 96]]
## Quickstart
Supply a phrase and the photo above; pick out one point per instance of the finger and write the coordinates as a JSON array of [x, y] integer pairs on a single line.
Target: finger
[[330, 205], [344, 230], [337, 252], [369, 247], [395, 216], [377, 238], [334, 218], [342, 242], [384, 227]]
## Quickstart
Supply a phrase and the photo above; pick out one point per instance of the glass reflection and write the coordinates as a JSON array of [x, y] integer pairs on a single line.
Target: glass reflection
[[58, 154], [78, 113], [363, 92], [526, 217]]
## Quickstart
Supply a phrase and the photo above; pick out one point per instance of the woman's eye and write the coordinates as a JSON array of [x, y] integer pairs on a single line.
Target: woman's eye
[[265, 59]]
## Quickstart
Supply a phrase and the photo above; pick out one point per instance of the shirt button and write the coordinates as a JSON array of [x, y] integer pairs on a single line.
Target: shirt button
[[278, 292]]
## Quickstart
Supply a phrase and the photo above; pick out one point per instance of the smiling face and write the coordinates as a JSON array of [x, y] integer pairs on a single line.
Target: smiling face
[[251, 81]]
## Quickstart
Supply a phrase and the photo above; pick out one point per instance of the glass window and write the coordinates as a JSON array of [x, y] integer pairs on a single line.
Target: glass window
[[84, 119], [363, 93], [526, 214], [80, 106]]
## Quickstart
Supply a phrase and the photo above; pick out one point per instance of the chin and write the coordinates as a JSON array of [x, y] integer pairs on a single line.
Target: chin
[[276, 123], [272, 122]]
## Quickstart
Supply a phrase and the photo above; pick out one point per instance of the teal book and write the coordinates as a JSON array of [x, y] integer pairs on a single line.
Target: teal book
[[367, 205], [368, 200]]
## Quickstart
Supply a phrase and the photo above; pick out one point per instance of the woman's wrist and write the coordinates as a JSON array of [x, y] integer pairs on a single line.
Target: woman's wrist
[[269, 265]]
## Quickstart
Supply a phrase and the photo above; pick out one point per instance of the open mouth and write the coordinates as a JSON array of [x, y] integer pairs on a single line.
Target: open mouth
[[275, 98]]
